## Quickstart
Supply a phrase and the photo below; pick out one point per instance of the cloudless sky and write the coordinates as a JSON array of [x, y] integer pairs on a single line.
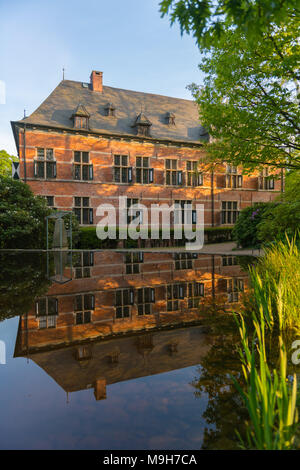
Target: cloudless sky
[[126, 39]]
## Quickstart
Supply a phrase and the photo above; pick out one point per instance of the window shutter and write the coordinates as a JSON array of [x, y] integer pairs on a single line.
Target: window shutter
[[56, 306], [131, 297], [141, 257], [91, 215], [179, 177], [54, 169], [152, 294], [194, 217], [130, 175], [37, 308], [35, 168], [93, 301], [240, 181], [271, 183], [260, 182], [195, 255], [202, 289], [91, 258], [91, 172], [151, 175], [200, 179]]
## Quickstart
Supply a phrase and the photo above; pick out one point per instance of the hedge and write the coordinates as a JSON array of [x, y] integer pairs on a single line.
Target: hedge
[[88, 239]]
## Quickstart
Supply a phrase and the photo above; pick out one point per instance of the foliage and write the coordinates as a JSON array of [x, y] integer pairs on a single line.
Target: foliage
[[270, 398], [275, 285], [22, 279], [207, 19], [249, 102], [22, 216], [5, 162], [245, 229], [284, 218]]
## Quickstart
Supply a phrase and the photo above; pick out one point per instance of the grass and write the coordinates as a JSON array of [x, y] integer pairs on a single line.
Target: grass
[[275, 286], [269, 396]]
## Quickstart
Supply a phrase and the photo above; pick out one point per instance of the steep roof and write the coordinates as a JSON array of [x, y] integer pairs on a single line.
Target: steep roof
[[61, 104]]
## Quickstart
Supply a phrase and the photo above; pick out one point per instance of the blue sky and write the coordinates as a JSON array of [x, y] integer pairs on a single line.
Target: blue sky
[[126, 39]]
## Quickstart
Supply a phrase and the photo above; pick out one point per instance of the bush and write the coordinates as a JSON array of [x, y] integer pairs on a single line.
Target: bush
[[245, 231], [22, 215]]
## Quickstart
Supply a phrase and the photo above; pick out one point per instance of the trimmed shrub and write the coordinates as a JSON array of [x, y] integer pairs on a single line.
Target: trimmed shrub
[[245, 231]]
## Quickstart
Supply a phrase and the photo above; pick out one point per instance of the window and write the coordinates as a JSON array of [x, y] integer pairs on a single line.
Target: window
[[45, 165], [229, 260], [173, 176], [193, 177], [82, 210], [83, 170], [81, 122], [133, 261], [184, 260], [174, 293], [170, 119], [110, 109], [124, 299], [122, 172], [184, 213], [50, 201], [266, 181], [234, 287], [145, 298], [233, 179], [195, 292], [229, 212], [130, 217], [46, 310], [84, 305], [83, 263], [144, 174]]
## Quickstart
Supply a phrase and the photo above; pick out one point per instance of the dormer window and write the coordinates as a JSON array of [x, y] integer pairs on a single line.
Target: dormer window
[[142, 125], [110, 109], [81, 117], [170, 119]]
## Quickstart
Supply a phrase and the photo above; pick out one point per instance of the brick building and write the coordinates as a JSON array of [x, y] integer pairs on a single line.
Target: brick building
[[88, 144]]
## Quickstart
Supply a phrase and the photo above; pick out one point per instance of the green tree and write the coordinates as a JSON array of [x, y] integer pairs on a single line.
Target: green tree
[[5, 162], [207, 20], [250, 99]]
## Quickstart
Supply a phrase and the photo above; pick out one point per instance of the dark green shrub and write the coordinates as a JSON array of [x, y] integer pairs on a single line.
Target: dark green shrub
[[245, 231]]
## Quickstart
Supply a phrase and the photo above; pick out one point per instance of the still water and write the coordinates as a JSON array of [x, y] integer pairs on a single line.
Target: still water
[[119, 350]]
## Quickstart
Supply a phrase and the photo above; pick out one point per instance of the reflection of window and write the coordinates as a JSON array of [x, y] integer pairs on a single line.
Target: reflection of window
[[195, 292], [144, 174], [173, 176], [184, 260], [234, 287], [82, 210], [84, 304], [81, 122], [229, 260], [45, 165], [233, 179], [174, 293], [46, 310], [266, 181], [124, 299], [82, 168], [183, 212], [122, 172], [137, 213], [82, 264], [132, 261], [145, 298], [193, 177], [229, 212]]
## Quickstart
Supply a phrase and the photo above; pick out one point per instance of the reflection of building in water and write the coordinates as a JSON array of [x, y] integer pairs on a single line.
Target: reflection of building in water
[[106, 298], [76, 332]]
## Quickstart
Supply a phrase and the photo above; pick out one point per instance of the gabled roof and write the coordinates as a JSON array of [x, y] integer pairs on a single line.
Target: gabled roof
[[81, 111], [58, 108]]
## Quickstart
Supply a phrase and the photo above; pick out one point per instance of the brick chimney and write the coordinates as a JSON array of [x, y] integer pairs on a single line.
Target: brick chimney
[[96, 81]]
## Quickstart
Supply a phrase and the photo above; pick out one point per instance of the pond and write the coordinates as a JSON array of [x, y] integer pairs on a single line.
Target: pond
[[119, 350]]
